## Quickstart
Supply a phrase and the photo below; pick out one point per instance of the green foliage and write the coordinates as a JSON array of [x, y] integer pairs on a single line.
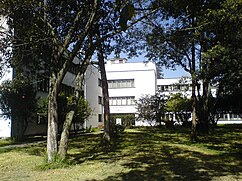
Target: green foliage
[[145, 107], [178, 103], [17, 98], [83, 110], [151, 108], [42, 106]]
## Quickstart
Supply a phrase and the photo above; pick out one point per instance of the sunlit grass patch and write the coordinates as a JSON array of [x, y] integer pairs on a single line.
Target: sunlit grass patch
[[136, 154]]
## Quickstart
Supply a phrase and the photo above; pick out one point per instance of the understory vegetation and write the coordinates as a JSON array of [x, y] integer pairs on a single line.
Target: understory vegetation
[[143, 153]]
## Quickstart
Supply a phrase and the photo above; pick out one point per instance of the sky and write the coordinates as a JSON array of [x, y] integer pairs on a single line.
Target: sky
[[168, 73], [7, 75]]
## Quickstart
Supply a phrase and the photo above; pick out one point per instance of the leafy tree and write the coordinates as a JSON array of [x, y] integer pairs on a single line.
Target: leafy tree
[[59, 33], [189, 34], [226, 25], [151, 108], [83, 111], [180, 106], [17, 102]]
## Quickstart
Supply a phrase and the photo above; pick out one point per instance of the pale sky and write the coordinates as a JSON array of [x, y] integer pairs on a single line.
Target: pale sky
[[168, 73]]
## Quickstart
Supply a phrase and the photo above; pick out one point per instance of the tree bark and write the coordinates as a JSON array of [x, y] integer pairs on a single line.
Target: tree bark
[[65, 134], [194, 114], [69, 116], [17, 128], [52, 145], [107, 120], [194, 82], [204, 118]]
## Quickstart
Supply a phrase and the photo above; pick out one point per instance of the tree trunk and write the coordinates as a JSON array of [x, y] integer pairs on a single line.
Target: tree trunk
[[69, 116], [107, 123], [194, 82], [204, 118], [194, 114], [65, 134], [52, 145], [17, 128]]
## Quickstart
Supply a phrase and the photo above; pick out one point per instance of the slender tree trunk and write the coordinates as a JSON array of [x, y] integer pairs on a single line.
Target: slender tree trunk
[[65, 134], [52, 145], [194, 82], [204, 118], [107, 120], [194, 114], [69, 117], [204, 101]]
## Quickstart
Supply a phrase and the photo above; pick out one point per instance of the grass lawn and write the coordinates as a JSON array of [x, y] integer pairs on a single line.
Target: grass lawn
[[138, 154]]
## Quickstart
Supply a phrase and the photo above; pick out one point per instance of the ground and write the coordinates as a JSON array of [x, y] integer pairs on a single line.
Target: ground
[[137, 154]]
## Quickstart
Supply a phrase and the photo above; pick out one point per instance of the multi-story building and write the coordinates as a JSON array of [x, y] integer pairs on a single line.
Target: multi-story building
[[92, 92], [182, 85], [170, 86], [128, 82]]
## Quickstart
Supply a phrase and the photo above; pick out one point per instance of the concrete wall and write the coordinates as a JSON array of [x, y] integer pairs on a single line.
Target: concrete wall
[[144, 75], [92, 92]]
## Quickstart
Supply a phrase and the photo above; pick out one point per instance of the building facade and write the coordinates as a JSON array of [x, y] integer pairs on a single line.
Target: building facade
[[92, 92], [128, 82]]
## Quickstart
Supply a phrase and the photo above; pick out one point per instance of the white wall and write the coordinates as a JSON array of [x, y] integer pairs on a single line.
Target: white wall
[[92, 91], [144, 75]]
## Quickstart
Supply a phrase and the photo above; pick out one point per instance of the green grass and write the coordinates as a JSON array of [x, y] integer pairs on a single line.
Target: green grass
[[138, 154]]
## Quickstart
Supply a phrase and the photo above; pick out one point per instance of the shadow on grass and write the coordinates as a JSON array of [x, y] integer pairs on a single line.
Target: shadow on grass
[[155, 158], [161, 154], [169, 155]]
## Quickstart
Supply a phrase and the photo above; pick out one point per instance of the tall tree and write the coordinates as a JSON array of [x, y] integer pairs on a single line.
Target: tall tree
[[181, 34]]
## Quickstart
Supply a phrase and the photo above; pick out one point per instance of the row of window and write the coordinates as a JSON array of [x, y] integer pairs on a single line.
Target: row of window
[[184, 87], [121, 83], [43, 86], [229, 116], [122, 101]]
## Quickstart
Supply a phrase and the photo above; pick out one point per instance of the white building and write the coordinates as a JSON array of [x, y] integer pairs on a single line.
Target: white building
[[182, 85], [92, 92], [170, 86], [129, 81]]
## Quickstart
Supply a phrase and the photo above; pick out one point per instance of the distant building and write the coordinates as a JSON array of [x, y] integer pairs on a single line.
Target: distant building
[[127, 82], [182, 85], [170, 86]]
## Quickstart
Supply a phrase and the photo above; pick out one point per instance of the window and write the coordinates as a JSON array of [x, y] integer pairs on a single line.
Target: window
[[43, 85], [121, 101], [67, 90], [121, 83], [74, 68], [100, 100], [99, 82], [100, 118]]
